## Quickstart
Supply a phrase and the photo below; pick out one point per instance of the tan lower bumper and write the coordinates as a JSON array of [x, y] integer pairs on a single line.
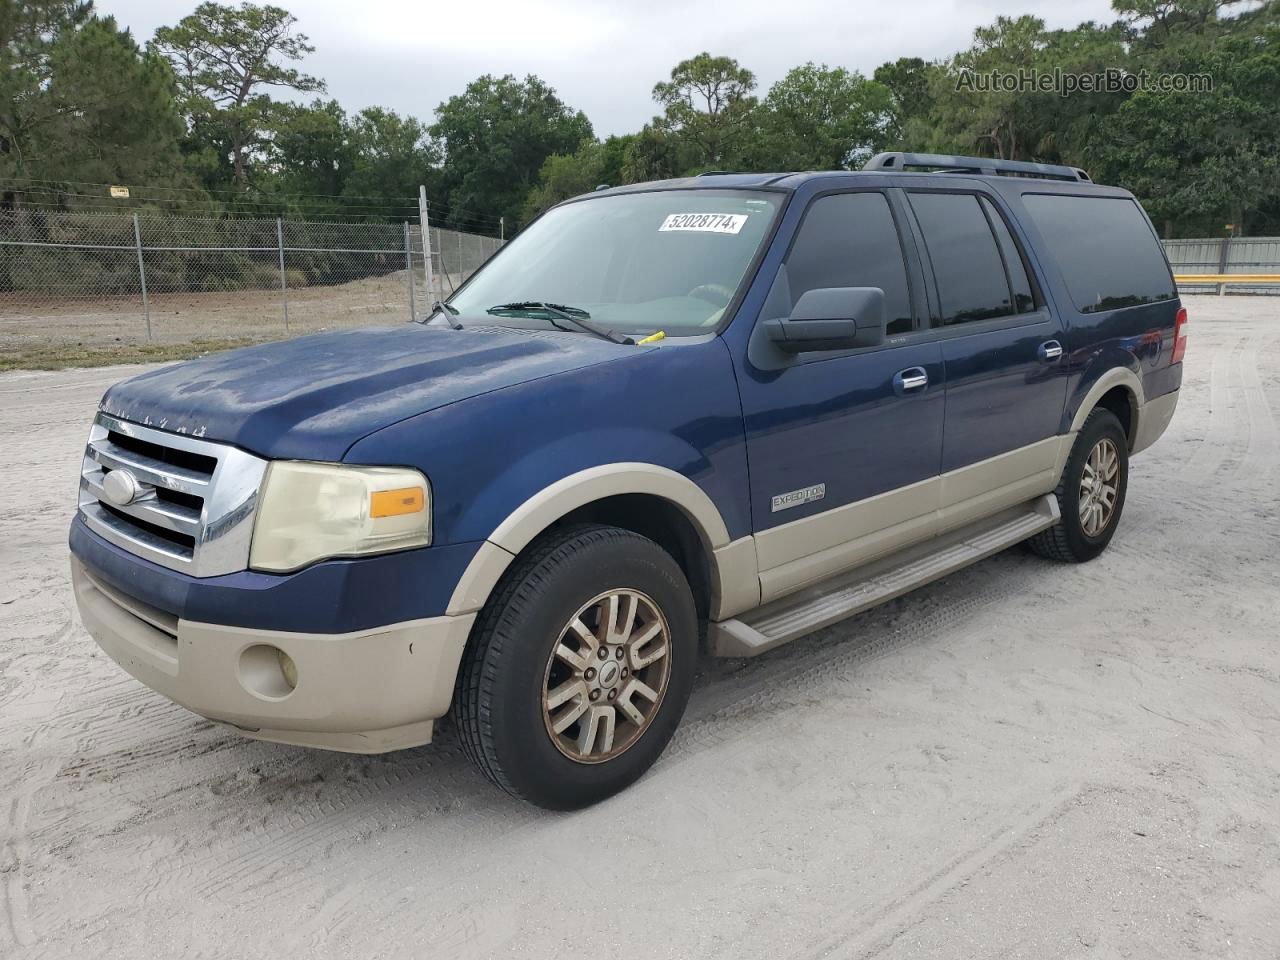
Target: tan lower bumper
[[1153, 420], [365, 692]]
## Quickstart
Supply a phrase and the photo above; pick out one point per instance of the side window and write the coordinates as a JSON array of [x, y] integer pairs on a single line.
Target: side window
[[1023, 299], [1106, 249], [850, 240], [966, 262]]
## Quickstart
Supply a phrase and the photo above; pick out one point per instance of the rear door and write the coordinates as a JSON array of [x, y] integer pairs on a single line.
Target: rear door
[[1003, 353], [844, 447]]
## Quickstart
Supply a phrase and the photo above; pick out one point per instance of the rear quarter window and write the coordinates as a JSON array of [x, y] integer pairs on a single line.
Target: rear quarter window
[[1105, 248]]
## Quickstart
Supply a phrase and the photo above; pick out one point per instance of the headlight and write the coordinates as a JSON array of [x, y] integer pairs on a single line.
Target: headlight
[[309, 511]]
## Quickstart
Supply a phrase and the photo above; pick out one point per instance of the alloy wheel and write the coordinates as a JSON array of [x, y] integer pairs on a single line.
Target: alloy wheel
[[606, 676], [1099, 487]]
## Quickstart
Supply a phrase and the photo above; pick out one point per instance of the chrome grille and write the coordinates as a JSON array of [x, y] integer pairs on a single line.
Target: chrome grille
[[189, 503]]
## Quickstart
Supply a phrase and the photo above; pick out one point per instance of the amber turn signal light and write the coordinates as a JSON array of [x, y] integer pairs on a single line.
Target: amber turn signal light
[[396, 503]]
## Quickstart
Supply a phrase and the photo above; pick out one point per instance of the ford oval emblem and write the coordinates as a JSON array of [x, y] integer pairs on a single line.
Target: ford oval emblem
[[121, 487]]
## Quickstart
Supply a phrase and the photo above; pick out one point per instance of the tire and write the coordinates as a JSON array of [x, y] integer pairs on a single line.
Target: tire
[[1076, 538], [528, 668]]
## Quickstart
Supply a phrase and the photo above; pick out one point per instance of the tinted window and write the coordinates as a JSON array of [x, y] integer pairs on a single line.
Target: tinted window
[[1017, 270], [966, 264], [849, 240], [1106, 250]]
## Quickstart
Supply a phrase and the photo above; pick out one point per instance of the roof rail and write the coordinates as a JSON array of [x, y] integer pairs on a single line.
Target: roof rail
[[984, 165]]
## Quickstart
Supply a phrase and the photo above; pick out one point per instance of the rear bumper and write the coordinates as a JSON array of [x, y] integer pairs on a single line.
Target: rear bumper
[[1153, 419], [367, 691]]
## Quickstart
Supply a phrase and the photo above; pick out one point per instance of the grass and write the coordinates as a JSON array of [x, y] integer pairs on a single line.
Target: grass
[[62, 356]]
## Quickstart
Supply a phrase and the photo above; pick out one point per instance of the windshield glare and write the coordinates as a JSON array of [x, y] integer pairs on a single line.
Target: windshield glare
[[637, 263]]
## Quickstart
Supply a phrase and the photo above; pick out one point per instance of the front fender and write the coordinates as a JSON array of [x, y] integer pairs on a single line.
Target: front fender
[[584, 466], [610, 480], [733, 567], [675, 408]]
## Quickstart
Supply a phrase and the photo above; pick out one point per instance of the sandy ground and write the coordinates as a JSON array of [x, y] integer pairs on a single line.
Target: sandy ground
[[1023, 760], [181, 317]]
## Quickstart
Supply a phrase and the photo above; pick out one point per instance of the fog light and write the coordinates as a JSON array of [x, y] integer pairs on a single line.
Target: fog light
[[288, 668], [267, 671]]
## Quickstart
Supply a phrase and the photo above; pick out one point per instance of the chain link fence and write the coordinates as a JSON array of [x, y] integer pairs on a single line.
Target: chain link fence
[[99, 279], [96, 280]]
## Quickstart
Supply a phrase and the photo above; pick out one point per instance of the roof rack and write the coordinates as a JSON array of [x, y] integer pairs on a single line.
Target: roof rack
[[983, 165]]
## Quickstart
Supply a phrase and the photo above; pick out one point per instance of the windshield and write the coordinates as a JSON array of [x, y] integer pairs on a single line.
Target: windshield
[[633, 263]]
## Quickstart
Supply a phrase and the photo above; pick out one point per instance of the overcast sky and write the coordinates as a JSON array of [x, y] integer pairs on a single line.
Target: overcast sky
[[604, 56]]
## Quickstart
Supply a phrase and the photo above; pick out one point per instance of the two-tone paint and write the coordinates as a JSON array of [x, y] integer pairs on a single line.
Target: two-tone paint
[[517, 428]]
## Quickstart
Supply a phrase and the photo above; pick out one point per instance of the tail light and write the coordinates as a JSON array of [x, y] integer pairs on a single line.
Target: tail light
[[1179, 336]]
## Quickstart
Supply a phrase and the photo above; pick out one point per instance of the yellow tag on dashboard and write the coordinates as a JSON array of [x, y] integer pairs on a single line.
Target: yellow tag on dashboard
[[396, 503]]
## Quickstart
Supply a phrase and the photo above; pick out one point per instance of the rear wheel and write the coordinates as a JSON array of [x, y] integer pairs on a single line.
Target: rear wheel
[[1091, 493], [582, 664]]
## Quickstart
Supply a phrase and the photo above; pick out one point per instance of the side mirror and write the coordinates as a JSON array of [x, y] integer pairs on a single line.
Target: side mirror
[[834, 318]]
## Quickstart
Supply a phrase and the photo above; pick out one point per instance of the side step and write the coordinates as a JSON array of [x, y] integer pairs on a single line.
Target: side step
[[845, 594]]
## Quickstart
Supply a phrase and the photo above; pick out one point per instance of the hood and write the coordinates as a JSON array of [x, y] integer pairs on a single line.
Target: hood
[[311, 398]]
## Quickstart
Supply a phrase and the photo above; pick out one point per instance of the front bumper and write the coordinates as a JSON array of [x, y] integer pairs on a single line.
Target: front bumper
[[332, 596], [367, 691]]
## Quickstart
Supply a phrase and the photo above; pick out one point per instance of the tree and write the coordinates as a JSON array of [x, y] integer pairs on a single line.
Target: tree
[[1062, 129], [80, 101], [990, 120], [907, 80], [367, 164], [28, 31], [1155, 22], [653, 154], [312, 150], [496, 136], [83, 101], [707, 106], [393, 155], [562, 177], [819, 118], [114, 118], [226, 58], [1199, 157]]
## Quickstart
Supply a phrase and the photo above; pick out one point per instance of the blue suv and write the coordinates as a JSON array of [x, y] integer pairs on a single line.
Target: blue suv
[[702, 416]]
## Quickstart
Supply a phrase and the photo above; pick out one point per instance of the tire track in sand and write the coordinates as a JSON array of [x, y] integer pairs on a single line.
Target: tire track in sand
[[1224, 433]]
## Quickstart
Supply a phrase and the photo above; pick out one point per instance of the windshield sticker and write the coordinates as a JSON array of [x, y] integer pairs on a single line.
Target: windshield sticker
[[704, 222]]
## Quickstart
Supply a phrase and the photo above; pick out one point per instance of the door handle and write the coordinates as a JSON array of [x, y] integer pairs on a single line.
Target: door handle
[[1050, 350], [910, 380]]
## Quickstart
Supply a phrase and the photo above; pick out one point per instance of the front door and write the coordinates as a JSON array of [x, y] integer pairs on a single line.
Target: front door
[[844, 448]]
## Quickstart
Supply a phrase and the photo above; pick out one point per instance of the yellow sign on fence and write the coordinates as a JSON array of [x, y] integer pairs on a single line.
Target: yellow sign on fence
[[120, 193]]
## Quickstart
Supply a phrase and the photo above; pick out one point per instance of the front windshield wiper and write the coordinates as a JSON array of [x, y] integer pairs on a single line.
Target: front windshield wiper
[[449, 313], [575, 315]]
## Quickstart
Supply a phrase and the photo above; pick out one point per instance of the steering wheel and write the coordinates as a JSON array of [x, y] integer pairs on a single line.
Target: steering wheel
[[715, 294]]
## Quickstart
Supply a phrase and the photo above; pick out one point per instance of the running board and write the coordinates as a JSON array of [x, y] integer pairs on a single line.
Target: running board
[[846, 594]]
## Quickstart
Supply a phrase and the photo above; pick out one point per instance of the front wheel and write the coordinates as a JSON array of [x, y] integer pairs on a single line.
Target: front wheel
[[1090, 494], [580, 669]]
